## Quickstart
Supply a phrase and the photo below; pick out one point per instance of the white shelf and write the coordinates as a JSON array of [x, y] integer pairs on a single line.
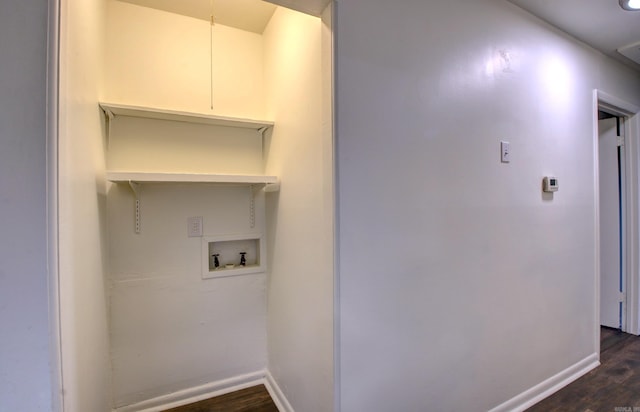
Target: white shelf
[[147, 177], [135, 179], [114, 110]]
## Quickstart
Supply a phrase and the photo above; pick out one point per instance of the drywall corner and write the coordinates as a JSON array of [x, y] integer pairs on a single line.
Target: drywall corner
[[82, 209], [300, 216]]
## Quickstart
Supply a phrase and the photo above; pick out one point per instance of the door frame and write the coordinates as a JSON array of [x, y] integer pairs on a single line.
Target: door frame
[[55, 335], [631, 219], [608, 279]]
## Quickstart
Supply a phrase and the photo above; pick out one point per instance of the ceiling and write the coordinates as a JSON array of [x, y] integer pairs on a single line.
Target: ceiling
[[250, 15], [312, 7], [602, 24]]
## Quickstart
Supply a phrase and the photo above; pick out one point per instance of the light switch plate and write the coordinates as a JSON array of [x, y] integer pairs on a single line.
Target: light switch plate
[[505, 155], [194, 226]]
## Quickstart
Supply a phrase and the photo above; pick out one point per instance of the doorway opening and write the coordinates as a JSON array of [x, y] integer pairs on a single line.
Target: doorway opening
[[611, 177], [616, 179]]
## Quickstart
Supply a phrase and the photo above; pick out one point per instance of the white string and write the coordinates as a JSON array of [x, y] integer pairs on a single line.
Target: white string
[[211, 56]]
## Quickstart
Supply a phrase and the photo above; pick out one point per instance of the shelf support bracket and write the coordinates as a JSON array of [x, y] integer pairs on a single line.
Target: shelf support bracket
[[135, 187], [262, 130], [271, 187], [252, 206], [253, 192], [261, 133], [109, 116]]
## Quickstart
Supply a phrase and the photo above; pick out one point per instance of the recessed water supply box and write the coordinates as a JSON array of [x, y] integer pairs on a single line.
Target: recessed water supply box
[[232, 255]]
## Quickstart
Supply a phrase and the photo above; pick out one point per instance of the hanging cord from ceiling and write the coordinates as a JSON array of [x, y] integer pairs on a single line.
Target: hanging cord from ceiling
[[211, 54]]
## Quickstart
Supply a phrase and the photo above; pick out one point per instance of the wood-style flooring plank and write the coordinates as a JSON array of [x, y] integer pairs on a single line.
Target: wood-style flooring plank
[[614, 384], [254, 399]]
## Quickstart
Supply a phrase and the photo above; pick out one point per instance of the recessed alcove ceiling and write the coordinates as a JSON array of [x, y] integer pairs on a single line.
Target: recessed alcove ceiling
[[250, 15], [602, 24]]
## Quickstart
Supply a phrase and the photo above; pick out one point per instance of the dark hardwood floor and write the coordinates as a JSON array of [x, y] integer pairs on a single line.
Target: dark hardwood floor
[[614, 384], [254, 399]]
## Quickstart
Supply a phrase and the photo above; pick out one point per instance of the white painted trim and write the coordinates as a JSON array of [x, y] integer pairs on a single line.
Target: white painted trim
[[633, 219], [539, 392], [198, 393], [53, 280], [596, 223], [337, 359], [632, 207], [623, 107], [276, 394]]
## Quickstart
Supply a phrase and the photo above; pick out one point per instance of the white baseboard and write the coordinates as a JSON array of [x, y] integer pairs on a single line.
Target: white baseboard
[[276, 394], [198, 393], [553, 384]]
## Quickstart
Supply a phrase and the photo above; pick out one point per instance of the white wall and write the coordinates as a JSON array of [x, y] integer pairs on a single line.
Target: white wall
[[461, 285], [146, 145], [24, 342], [82, 209], [162, 59], [300, 216], [170, 329]]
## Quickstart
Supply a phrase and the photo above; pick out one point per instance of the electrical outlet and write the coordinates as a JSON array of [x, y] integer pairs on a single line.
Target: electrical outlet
[[194, 226]]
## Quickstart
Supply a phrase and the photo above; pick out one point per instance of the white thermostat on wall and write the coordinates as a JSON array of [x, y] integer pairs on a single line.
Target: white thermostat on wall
[[550, 184]]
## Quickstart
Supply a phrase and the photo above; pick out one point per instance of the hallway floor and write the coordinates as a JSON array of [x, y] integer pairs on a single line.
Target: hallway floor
[[614, 384], [254, 399]]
